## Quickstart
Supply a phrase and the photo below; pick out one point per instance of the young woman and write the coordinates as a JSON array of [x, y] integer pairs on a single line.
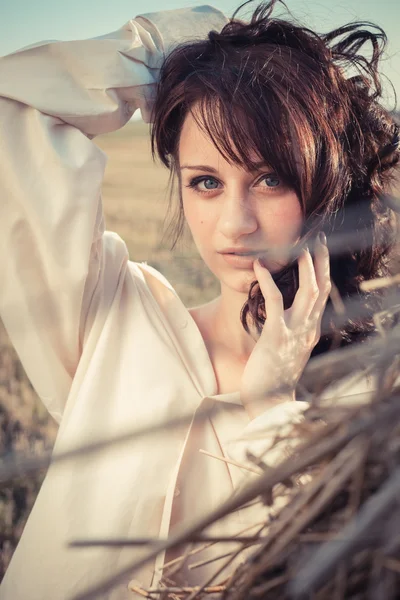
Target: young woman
[[270, 138]]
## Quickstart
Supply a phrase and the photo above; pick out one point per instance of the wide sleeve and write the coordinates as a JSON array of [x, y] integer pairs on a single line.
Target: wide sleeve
[[55, 97], [274, 434], [270, 436]]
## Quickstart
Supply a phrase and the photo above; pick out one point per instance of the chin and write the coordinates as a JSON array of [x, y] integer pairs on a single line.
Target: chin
[[239, 281]]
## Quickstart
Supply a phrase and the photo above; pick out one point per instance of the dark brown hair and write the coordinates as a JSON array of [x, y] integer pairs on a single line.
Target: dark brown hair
[[308, 104]]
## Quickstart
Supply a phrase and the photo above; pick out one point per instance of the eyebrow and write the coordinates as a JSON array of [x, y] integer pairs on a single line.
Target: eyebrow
[[208, 169], [199, 168]]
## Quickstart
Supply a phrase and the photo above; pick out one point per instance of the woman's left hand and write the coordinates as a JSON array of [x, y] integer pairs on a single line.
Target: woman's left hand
[[288, 336]]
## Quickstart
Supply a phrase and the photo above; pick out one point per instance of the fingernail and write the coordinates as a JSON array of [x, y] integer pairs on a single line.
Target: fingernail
[[322, 238], [260, 262]]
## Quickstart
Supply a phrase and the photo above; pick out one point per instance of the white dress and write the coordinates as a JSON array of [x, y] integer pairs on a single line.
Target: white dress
[[106, 342]]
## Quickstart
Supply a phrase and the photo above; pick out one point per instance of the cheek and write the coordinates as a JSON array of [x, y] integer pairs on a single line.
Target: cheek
[[197, 215], [284, 221], [198, 223]]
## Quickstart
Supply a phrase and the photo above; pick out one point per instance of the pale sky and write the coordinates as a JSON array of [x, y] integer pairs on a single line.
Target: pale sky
[[25, 22]]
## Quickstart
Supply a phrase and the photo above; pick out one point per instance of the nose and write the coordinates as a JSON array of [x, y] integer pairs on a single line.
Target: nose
[[237, 216]]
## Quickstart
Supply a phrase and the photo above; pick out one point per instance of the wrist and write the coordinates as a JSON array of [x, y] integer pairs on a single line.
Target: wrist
[[256, 406], [184, 24]]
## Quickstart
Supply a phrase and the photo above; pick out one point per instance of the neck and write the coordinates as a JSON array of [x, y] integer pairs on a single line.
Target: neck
[[228, 328]]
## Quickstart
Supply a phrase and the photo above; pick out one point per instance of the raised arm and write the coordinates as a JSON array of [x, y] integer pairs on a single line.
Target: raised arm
[[54, 254]]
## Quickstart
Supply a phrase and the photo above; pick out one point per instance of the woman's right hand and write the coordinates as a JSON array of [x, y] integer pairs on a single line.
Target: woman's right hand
[[288, 336]]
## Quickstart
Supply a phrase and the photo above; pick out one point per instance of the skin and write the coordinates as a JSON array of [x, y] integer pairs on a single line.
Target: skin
[[233, 207]]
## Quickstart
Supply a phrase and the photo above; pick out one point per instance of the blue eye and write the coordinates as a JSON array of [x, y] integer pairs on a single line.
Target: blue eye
[[210, 184], [213, 186], [271, 180]]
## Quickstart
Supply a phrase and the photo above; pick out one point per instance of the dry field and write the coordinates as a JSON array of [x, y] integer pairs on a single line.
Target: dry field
[[135, 203]]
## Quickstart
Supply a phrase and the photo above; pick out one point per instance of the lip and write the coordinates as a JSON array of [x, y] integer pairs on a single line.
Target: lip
[[242, 251], [239, 261]]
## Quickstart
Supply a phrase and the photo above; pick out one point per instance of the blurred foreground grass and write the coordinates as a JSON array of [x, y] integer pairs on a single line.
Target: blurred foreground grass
[[134, 204]]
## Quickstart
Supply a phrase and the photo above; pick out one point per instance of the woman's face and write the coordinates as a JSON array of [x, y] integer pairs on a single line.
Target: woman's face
[[234, 215]]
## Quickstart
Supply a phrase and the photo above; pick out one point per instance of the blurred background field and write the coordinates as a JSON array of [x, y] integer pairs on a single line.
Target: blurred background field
[[134, 204]]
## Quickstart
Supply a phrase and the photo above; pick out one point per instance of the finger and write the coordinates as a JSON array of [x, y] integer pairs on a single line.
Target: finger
[[308, 291], [272, 296], [322, 274]]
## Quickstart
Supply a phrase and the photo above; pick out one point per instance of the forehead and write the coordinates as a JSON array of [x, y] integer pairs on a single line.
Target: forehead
[[195, 142], [192, 135]]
